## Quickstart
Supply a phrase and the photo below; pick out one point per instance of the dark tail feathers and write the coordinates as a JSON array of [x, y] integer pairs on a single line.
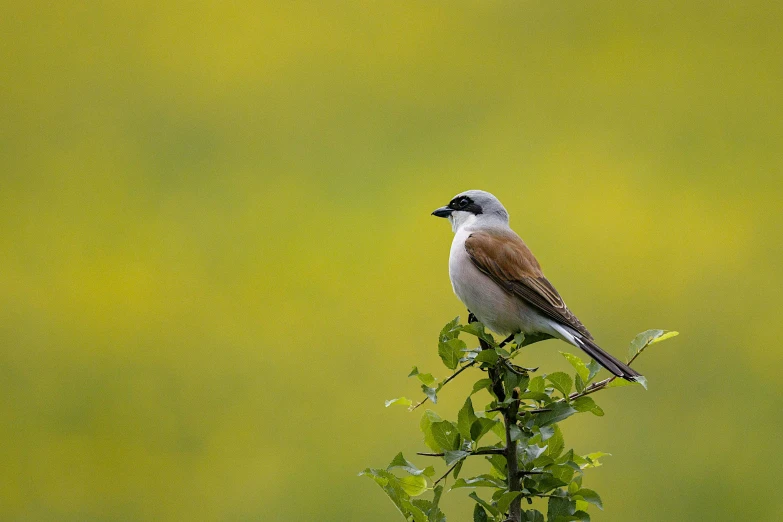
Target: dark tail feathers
[[606, 360]]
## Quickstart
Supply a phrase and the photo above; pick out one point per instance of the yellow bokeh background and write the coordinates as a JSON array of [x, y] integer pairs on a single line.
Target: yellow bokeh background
[[217, 259]]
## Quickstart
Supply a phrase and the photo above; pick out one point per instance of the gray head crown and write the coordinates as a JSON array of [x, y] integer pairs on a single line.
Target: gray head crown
[[479, 202]]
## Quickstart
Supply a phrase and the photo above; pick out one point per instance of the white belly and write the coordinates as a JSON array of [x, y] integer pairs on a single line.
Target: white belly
[[500, 311]]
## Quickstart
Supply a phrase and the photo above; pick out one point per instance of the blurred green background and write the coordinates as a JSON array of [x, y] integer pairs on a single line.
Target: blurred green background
[[217, 259]]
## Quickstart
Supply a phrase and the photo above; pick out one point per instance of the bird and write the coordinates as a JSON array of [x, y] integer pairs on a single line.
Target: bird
[[499, 280]]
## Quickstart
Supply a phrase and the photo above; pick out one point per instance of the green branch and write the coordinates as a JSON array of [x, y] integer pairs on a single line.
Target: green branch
[[530, 460]]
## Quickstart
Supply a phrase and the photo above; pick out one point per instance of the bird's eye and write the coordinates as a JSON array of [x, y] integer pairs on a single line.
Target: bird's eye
[[463, 203]]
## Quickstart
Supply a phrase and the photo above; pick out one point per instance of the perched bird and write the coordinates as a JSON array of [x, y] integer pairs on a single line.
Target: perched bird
[[496, 276]]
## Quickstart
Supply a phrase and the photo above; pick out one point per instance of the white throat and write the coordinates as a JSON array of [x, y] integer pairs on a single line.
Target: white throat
[[460, 220]]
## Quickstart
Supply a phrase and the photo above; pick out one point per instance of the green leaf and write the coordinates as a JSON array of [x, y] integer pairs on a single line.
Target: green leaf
[[578, 365], [481, 384], [416, 512], [402, 401], [498, 462], [565, 457], [546, 432], [394, 488], [450, 352], [537, 384], [431, 393], [492, 509], [423, 505], [579, 384], [581, 516], [413, 485], [560, 506], [585, 403], [590, 496], [562, 381], [556, 444], [477, 329], [536, 396], [481, 427], [559, 411], [543, 461], [401, 462], [465, 419], [414, 371], [594, 368], [532, 452], [562, 472], [592, 459], [548, 483], [426, 379], [533, 515], [498, 429], [645, 339], [435, 514], [505, 500], [482, 481], [450, 331], [668, 335], [487, 356], [386, 481], [479, 515], [446, 435], [427, 420], [513, 380], [457, 469], [454, 456]]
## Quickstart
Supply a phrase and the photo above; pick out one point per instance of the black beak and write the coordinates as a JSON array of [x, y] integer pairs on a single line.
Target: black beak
[[442, 212]]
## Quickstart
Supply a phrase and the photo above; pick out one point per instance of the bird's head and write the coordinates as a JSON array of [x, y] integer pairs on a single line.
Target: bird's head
[[473, 206]]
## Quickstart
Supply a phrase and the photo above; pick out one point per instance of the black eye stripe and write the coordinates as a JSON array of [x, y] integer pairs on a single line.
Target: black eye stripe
[[465, 204], [461, 203]]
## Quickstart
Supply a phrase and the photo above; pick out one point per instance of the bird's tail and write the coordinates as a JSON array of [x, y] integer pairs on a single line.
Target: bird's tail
[[620, 369]]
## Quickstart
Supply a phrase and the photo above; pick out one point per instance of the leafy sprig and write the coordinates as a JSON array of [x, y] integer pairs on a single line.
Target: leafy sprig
[[517, 433]]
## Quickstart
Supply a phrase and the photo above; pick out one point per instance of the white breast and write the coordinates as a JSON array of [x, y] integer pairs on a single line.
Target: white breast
[[500, 311]]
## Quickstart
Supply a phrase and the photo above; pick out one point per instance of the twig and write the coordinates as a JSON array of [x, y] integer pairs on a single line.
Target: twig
[[446, 474], [444, 383], [591, 388], [485, 451], [506, 341], [538, 410], [600, 385]]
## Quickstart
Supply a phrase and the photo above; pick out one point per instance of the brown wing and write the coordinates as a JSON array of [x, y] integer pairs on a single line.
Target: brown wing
[[504, 257]]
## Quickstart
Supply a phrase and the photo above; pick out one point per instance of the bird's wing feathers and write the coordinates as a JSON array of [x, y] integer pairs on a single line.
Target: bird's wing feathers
[[506, 259]]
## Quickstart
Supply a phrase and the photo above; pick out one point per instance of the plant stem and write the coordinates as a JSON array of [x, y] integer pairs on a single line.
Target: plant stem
[[509, 418]]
